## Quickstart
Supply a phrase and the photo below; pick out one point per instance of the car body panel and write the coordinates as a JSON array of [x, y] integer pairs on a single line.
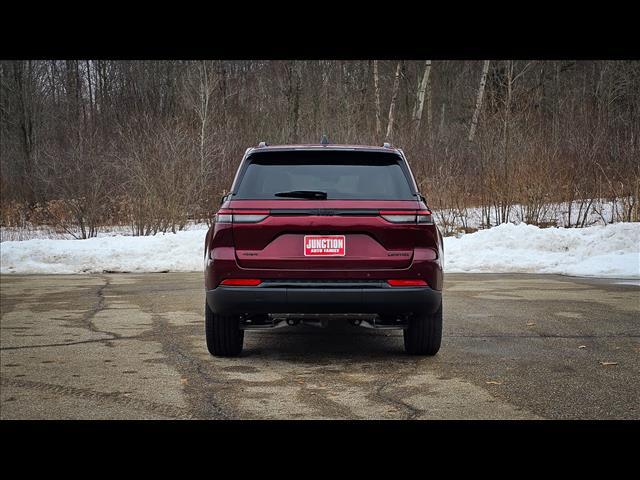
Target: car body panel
[[272, 249]]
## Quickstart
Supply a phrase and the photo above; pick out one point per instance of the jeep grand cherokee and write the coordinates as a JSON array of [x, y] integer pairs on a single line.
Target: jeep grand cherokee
[[315, 233]]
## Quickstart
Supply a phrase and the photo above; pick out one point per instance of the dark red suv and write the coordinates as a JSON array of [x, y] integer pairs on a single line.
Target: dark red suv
[[314, 233]]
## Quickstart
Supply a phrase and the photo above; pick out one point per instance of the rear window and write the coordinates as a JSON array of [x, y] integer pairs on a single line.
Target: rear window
[[342, 175]]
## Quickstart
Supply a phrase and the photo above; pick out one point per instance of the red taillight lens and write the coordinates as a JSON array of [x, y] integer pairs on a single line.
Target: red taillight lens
[[224, 216], [227, 215], [407, 283], [406, 216], [399, 216], [241, 282], [249, 216], [424, 216]]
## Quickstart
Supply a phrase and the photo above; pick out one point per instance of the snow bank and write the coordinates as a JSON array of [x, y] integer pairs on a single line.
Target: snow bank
[[180, 252], [602, 251]]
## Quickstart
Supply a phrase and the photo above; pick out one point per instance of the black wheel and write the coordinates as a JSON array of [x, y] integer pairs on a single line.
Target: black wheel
[[424, 333], [224, 336]]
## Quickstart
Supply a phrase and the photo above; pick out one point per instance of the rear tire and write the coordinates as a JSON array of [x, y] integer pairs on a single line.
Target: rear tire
[[423, 336], [224, 336]]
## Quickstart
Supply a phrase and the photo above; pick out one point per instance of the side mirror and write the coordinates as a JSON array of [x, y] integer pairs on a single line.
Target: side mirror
[[223, 199]]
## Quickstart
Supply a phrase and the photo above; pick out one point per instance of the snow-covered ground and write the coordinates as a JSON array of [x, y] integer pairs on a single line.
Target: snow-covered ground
[[601, 251], [179, 252]]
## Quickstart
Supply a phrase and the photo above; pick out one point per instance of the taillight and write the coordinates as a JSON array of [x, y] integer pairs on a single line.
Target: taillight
[[249, 216], [424, 216], [398, 216], [241, 282], [224, 216], [227, 215], [407, 283], [407, 216]]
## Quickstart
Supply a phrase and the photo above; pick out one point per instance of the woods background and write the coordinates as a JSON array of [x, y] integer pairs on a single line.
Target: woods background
[[154, 144]]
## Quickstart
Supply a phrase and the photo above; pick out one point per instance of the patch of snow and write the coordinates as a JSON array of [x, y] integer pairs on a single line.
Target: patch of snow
[[599, 251], [179, 252]]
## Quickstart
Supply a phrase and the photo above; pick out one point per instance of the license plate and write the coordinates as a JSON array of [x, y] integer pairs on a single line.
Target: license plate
[[324, 245]]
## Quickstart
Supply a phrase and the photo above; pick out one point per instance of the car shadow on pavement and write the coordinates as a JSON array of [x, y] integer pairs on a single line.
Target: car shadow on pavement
[[338, 341]]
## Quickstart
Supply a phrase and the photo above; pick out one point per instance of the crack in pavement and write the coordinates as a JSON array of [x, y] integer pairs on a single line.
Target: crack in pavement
[[80, 342], [413, 412], [87, 320], [120, 398], [203, 390], [87, 317], [202, 400], [317, 398]]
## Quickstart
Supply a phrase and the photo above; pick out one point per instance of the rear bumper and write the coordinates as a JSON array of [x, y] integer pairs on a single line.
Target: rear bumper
[[390, 300]]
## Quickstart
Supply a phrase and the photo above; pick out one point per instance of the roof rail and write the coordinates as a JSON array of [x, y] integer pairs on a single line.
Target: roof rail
[[386, 145], [263, 144]]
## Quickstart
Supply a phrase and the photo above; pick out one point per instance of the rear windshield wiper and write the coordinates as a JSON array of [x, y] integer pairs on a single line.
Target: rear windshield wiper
[[312, 194]]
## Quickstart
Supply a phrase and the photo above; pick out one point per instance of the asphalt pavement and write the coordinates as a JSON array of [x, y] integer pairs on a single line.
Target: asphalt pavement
[[125, 346]]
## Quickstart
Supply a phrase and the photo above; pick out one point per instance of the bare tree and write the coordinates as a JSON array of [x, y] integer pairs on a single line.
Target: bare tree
[[476, 112], [394, 98], [376, 83], [422, 87], [155, 143]]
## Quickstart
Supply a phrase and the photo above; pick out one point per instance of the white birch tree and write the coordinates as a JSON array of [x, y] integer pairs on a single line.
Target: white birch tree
[[422, 88], [476, 112], [376, 85], [394, 99]]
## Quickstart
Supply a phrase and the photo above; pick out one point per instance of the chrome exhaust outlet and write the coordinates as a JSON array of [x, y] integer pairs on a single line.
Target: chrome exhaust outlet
[[320, 323], [260, 323], [397, 323]]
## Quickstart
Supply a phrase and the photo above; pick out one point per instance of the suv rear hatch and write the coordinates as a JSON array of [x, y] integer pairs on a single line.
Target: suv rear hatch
[[324, 210]]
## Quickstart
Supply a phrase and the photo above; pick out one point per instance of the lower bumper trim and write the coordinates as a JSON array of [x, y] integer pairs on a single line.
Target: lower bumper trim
[[252, 300]]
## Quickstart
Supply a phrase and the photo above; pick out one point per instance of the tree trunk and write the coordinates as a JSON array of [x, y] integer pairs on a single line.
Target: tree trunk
[[294, 99], [91, 100], [23, 78], [429, 115], [362, 104], [205, 89], [223, 94], [422, 87], [394, 99], [441, 128], [476, 113], [376, 84], [506, 193]]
